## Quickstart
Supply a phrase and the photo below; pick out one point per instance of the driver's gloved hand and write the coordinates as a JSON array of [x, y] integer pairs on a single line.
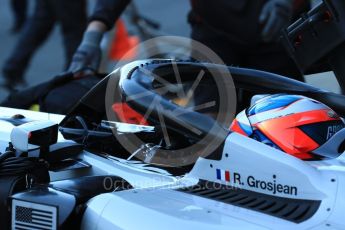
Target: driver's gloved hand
[[275, 16], [88, 54]]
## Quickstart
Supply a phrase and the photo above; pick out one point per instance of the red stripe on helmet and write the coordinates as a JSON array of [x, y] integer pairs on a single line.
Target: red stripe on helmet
[[285, 132], [235, 127]]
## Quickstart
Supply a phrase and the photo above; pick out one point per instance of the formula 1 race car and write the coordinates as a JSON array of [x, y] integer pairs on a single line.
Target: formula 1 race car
[[117, 162]]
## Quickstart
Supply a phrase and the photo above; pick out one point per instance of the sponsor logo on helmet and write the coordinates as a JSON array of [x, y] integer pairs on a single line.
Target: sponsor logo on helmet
[[332, 114], [333, 129]]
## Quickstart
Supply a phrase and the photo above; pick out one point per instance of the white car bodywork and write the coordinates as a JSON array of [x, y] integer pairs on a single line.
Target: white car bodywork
[[157, 201]]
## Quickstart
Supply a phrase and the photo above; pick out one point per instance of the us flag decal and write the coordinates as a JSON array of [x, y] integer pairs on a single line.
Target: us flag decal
[[28, 216], [223, 175]]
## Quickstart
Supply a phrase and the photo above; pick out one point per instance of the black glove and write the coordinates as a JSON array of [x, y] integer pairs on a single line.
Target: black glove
[[275, 16], [88, 54]]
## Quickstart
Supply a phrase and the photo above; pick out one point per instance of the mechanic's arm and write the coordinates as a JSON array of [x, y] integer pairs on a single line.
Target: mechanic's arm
[[88, 54], [275, 15]]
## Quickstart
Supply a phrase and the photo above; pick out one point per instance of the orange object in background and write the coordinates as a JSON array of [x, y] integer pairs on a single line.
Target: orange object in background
[[128, 115], [123, 44]]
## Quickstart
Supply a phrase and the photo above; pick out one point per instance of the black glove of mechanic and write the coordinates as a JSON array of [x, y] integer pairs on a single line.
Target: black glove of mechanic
[[275, 16], [88, 54]]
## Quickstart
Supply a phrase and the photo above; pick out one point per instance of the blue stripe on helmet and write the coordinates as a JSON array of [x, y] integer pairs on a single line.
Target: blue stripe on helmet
[[273, 102]]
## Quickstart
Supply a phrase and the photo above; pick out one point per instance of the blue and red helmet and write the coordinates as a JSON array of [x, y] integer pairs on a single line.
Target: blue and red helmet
[[294, 124]]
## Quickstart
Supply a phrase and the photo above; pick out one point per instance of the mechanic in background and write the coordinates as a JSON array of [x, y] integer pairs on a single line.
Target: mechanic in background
[[243, 33], [72, 16]]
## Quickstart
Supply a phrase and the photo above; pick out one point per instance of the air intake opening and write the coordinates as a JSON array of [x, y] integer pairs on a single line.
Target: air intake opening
[[294, 210]]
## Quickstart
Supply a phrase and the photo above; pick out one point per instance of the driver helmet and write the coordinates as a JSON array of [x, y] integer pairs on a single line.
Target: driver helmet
[[294, 124]]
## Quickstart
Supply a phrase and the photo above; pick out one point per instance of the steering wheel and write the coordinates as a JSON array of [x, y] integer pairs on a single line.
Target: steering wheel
[[138, 90]]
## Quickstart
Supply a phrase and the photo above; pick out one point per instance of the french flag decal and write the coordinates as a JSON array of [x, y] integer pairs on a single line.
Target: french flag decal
[[223, 175]]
